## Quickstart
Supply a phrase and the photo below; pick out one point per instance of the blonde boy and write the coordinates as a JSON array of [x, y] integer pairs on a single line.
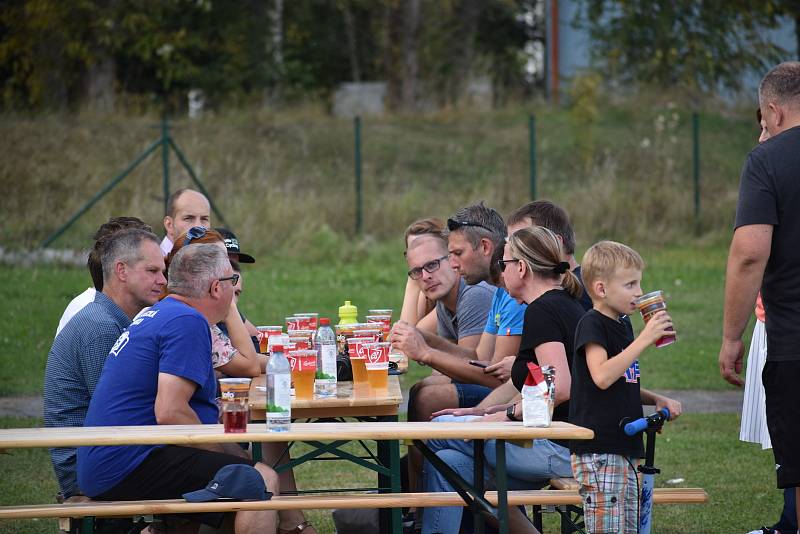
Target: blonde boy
[[605, 388]]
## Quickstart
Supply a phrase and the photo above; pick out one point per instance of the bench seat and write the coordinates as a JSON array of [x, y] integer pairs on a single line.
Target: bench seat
[[320, 501]]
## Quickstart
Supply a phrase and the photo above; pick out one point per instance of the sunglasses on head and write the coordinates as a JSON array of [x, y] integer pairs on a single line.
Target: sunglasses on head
[[195, 232], [454, 224]]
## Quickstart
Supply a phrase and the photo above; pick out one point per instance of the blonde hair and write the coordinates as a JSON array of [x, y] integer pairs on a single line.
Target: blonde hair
[[541, 251], [604, 258]]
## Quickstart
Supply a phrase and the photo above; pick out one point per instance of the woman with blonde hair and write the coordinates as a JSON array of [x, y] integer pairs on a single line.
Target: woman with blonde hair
[[534, 271]]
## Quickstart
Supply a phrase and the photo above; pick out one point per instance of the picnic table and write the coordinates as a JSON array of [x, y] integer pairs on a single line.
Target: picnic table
[[473, 494]]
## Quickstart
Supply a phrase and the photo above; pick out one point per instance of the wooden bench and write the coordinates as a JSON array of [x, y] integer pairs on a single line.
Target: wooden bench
[[321, 501], [306, 432]]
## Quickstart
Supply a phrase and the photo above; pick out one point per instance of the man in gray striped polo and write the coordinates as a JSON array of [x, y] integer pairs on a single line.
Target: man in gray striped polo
[[133, 278]]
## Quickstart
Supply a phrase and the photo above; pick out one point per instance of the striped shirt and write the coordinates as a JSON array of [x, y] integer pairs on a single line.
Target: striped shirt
[[73, 369]]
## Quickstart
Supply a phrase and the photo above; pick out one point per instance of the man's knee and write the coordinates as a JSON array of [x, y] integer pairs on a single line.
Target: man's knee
[[434, 398], [270, 477]]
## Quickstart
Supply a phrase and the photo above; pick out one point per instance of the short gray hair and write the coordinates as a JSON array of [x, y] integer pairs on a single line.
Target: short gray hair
[[124, 246], [781, 84], [491, 224], [194, 268]]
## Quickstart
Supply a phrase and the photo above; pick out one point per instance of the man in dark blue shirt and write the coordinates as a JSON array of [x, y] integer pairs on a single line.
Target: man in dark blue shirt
[[159, 372], [133, 278]]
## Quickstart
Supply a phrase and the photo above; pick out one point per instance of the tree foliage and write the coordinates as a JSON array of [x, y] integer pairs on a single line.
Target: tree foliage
[[694, 44]]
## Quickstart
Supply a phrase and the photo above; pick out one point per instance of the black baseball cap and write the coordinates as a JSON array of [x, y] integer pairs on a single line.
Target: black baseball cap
[[232, 244]]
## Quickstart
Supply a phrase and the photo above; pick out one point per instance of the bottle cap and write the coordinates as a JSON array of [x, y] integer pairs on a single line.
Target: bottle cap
[[277, 348], [348, 313], [324, 321]]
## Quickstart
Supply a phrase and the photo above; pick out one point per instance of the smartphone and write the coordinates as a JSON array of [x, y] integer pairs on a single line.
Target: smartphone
[[476, 363]]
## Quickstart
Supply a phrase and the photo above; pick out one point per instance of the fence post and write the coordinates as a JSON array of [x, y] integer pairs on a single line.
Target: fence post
[[696, 162], [165, 158], [532, 152], [359, 215]]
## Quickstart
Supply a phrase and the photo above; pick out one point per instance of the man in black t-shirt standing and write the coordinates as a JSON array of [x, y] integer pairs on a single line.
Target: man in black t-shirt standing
[[765, 255]]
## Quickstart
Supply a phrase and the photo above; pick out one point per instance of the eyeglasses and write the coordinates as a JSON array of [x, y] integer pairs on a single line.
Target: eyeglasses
[[195, 232], [234, 278], [431, 266], [453, 224], [501, 264]]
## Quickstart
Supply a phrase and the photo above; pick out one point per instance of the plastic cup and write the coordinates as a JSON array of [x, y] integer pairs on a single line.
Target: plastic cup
[[310, 321], [382, 311], [300, 342], [649, 305], [304, 370], [358, 358], [264, 333], [235, 389], [377, 365], [378, 375], [235, 411], [294, 323], [385, 321]]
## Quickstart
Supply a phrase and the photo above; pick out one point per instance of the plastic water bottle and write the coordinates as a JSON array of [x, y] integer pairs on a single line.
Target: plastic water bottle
[[279, 398], [325, 345]]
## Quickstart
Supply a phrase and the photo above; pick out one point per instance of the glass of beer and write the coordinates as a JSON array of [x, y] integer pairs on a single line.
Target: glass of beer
[[377, 365], [355, 348], [304, 370], [264, 333]]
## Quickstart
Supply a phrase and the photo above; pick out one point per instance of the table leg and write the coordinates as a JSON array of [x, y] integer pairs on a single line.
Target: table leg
[[502, 487], [478, 519], [389, 455]]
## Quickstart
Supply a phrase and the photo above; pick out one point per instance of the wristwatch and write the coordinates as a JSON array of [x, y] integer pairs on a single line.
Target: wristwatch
[[510, 413]]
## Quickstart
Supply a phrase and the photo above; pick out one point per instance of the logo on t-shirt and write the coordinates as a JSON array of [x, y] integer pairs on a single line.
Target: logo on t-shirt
[[497, 318], [632, 372], [119, 344]]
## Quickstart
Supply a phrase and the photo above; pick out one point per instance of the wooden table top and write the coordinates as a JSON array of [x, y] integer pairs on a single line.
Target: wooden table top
[[12, 438], [350, 400]]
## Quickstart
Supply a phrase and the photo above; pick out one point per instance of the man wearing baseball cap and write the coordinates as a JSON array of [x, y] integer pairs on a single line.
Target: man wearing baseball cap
[[236, 256]]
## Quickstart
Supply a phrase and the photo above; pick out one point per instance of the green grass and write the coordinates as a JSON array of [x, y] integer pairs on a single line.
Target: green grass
[[277, 177], [703, 449]]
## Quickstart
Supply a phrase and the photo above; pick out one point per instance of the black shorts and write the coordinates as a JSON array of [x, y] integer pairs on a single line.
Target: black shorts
[[170, 471], [781, 381]]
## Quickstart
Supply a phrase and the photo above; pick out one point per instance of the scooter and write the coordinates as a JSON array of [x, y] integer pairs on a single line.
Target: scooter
[[650, 425]]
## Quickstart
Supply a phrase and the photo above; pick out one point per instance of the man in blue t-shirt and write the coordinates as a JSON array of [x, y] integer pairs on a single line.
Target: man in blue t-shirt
[[159, 372]]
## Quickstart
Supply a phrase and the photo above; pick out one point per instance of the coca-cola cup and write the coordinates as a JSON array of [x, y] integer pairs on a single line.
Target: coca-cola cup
[[649, 305]]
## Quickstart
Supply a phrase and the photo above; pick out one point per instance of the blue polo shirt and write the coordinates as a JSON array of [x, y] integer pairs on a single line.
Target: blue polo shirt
[[73, 368], [171, 338], [505, 316]]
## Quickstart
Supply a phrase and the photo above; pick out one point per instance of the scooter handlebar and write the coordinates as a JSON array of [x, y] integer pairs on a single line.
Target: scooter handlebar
[[641, 424]]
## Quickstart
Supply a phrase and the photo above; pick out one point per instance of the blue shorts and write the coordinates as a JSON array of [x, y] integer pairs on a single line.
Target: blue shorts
[[470, 395]]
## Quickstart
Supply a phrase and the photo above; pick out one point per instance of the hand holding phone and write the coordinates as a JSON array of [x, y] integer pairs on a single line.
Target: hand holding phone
[[480, 364]]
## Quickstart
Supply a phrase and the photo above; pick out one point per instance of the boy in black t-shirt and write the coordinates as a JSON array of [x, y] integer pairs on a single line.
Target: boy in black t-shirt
[[605, 388]]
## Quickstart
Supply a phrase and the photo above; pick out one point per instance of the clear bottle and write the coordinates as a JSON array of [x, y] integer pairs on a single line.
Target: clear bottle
[[325, 345], [279, 398]]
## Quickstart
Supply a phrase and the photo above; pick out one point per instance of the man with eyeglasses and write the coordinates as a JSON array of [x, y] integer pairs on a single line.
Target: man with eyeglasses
[[185, 208], [132, 270], [159, 373]]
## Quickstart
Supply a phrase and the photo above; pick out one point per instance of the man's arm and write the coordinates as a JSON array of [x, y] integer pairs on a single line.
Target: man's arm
[[409, 340], [172, 408], [747, 259]]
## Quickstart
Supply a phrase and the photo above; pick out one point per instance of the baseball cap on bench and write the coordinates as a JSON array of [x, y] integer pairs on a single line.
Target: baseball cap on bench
[[232, 244], [239, 482]]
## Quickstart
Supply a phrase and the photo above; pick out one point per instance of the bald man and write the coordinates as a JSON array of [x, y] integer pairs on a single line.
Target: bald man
[[186, 208]]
